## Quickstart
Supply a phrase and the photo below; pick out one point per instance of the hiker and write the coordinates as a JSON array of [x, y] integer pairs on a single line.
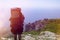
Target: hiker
[[16, 20]]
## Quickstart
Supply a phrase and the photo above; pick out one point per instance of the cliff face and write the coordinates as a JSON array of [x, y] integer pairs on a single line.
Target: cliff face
[[40, 24], [37, 25]]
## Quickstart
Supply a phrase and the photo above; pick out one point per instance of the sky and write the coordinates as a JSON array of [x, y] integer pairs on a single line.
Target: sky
[[32, 10]]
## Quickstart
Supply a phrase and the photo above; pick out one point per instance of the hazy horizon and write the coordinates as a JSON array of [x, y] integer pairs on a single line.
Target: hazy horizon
[[32, 10]]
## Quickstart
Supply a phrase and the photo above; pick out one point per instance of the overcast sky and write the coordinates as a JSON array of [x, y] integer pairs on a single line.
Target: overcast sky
[[32, 9]]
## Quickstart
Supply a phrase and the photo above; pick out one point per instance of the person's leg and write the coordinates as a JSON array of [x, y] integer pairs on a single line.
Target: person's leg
[[19, 36], [15, 37]]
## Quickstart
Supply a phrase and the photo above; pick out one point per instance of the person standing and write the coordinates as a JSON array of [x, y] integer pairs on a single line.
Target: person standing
[[16, 22]]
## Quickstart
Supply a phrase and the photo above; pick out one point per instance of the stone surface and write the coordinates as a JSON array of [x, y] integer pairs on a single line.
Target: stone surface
[[46, 35]]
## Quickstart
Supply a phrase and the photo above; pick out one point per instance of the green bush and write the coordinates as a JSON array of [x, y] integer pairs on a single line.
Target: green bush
[[51, 27], [32, 32]]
